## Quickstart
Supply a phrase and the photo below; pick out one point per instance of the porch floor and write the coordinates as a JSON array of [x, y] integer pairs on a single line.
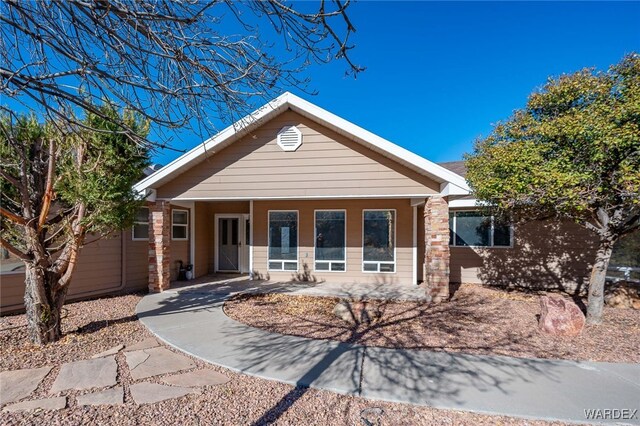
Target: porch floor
[[240, 283]]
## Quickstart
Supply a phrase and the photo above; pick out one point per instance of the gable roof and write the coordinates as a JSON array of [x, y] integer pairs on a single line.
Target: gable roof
[[450, 182], [457, 167]]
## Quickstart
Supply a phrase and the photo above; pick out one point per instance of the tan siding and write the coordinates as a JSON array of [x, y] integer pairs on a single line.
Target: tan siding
[[326, 164], [137, 262], [98, 272], [546, 254], [354, 208], [204, 240]]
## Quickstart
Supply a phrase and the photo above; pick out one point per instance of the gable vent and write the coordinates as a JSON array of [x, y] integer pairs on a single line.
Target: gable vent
[[289, 138]]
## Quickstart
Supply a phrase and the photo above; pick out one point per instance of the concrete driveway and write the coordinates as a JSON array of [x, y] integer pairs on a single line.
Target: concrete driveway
[[192, 320]]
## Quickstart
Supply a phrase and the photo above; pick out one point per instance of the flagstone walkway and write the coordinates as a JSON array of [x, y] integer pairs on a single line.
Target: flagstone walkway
[[99, 375]]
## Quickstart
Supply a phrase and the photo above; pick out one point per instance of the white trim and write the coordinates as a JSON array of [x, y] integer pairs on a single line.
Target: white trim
[[192, 240], [297, 242], [245, 249], [315, 237], [300, 197], [148, 223], [448, 188], [185, 225], [472, 202], [395, 239], [415, 245], [216, 238], [251, 225], [290, 101]]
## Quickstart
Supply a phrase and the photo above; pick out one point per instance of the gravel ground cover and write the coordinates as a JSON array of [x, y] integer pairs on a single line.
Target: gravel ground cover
[[94, 326], [478, 320]]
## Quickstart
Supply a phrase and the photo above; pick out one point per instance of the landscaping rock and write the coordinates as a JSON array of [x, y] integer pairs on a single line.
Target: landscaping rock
[[18, 384], [560, 316], [197, 378], [113, 396], [145, 344], [108, 352], [152, 362], [148, 393], [357, 312], [343, 311], [623, 295], [39, 404], [91, 373]]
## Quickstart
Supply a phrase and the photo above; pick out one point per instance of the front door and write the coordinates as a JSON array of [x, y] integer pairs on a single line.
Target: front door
[[233, 241], [228, 244]]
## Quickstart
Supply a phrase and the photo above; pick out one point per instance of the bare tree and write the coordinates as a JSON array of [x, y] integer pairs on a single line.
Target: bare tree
[[178, 64]]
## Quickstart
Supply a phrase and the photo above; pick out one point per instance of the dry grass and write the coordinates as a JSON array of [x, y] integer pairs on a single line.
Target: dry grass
[[477, 320]]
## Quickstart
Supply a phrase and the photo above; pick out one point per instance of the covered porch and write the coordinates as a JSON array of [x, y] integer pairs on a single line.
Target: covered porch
[[363, 246]]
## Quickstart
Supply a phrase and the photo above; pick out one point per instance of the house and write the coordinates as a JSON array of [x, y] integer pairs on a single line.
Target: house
[[293, 192]]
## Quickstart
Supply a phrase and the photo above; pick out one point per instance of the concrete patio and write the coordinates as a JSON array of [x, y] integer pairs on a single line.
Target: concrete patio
[[238, 283], [191, 318]]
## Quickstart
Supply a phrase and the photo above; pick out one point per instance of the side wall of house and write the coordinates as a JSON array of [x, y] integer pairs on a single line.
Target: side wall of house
[[99, 271], [108, 265], [545, 255], [354, 220]]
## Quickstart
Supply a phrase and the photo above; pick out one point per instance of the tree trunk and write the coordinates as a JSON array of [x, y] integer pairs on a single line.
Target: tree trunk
[[43, 304], [596, 282]]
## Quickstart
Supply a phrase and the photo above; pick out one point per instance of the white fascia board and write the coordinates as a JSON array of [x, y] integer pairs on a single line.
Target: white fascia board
[[448, 188], [209, 146], [367, 138], [465, 203], [316, 113]]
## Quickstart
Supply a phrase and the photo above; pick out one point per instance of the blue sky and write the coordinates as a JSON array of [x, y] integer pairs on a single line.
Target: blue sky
[[439, 74]]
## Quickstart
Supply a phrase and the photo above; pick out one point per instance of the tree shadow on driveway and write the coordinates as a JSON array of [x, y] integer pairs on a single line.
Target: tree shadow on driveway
[[193, 320]]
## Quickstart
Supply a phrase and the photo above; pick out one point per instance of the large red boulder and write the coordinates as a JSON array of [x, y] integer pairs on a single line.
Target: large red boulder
[[560, 316]]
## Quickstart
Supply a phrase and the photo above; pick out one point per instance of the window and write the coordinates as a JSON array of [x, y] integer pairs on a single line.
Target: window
[[379, 241], [475, 229], [283, 241], [140, 228], [179, 224], [330, 253]]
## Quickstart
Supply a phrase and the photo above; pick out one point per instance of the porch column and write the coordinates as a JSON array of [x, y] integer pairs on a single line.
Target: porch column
[[159, 246], [436, 261]]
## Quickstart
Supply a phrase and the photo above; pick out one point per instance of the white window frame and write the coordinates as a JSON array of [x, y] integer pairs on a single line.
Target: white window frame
[[282, 261], [491, 236], [184, 225], [395, 239], [137, 222], [315, 239]]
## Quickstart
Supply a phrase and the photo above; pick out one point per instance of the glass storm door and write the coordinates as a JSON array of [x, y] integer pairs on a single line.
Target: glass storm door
[[228, 244]]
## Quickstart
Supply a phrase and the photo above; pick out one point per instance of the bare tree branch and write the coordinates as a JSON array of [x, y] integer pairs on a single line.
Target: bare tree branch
[[191, 64]]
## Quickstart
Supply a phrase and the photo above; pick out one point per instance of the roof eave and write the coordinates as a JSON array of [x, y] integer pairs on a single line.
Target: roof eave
[[326, 118]]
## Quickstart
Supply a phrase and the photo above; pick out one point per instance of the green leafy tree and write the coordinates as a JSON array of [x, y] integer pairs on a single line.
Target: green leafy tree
[[59, 186], [572, 153]]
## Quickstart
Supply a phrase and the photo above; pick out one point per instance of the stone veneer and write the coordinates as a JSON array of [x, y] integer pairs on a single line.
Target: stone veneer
[[159, 246], [436, 259]]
